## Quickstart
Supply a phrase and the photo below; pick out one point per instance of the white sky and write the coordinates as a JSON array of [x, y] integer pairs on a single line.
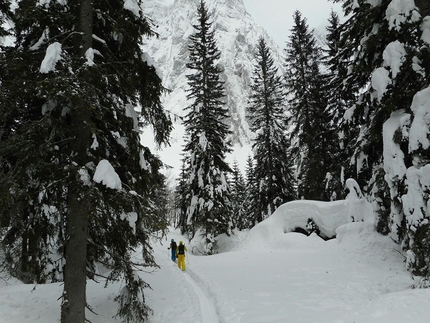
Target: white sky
[[276, 15]]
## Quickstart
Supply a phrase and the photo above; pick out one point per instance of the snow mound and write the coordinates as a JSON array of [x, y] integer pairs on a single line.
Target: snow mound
[[291, 216], [295, 217], [362, 239]]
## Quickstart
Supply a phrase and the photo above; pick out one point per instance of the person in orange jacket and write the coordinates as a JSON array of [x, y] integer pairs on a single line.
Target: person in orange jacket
[[180, 252]]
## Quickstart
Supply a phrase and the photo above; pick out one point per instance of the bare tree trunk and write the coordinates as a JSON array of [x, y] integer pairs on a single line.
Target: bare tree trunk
[[74, 294]]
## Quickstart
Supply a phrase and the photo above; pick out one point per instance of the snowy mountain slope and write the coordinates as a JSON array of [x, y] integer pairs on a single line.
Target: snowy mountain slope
[[236, 34]]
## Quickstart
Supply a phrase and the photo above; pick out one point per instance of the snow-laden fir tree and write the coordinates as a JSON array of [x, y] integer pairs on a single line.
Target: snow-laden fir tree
[[364, 155], [308, 120], [77, 188], [388, 45], [266, 111], [238, 197], [338, 100], [182, 197], [251, 199], [206, 140]]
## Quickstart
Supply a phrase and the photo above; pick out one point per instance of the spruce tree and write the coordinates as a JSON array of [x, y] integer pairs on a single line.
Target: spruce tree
[[391, 68], [238, 198], [252, 205], [266, 111], [339, 152], [206, 143], [77, 187], [363, 59], [182, 197], [308, 117]]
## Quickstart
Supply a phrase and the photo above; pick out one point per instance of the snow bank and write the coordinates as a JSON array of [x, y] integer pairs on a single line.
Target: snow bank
[[326, 215], [294, 216], [363, 240]]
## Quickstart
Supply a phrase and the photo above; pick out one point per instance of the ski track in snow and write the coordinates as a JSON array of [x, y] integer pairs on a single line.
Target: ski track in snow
[[207, 307], [193, 301]]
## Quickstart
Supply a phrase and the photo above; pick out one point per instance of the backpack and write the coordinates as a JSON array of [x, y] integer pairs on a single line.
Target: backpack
[[173, 245], [181, 249]]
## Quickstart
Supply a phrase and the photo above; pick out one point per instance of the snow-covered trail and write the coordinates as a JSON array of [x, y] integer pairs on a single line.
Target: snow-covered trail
[[207, 308], [298, 279], [178, 297], [357, 278]]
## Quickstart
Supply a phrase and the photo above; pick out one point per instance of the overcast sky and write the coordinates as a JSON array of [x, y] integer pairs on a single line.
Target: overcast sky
[[276, 15]]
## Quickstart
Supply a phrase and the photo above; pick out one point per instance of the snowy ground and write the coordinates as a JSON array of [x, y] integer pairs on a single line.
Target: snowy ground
[[358, 277]]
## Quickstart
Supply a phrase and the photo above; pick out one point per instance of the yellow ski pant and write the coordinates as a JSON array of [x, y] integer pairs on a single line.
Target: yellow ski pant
[[181, 262]]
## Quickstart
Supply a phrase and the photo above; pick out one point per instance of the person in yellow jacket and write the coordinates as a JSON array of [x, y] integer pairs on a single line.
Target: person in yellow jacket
[[181, 255]]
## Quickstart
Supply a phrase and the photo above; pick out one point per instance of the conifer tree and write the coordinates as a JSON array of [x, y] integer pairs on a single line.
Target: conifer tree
[[266, 111], [339, 100], [374, 105], [364, 59], [391, 67], [207, 133], [182, 197], [161, 210], [252, 207], [307, 104], [77, 187], [238, 198]]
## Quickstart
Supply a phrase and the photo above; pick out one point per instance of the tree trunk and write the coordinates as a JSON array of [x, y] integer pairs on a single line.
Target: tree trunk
[[74, 294]]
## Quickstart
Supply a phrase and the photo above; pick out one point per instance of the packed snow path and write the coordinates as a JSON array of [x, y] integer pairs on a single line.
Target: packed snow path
[[359, 278], [188, 299], [208, 311]]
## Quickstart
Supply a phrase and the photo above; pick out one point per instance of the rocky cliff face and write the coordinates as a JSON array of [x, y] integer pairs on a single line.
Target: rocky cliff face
[[236, 35]]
